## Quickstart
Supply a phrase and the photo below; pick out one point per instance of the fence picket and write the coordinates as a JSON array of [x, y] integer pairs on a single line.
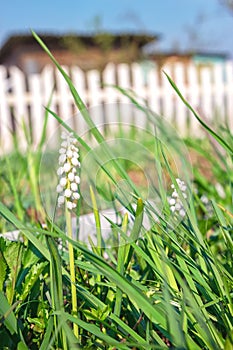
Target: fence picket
[[167, 96], [180, 108], [219, 103], [110, 95], [95, 97], [5, 118], [138, 86], [19, 102], [193, 98], [78, 78], [154, 90], [125, 107], [37, 114], [48, 90], [206, 94], [229, 92], [65, 97]]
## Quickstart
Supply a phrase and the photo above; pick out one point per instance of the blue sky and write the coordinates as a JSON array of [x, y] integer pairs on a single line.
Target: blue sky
[[203, 24]]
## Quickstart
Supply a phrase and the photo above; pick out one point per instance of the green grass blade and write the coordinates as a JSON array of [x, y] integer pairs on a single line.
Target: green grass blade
[[137, 227], [120, 265], [7, 315], [220, 140]]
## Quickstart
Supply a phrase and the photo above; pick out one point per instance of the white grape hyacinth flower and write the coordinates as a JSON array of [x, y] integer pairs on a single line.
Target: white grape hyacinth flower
[[67, 172], [175, 202]]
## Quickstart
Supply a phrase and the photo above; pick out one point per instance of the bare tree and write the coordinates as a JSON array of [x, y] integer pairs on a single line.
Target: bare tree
[[228, 4]]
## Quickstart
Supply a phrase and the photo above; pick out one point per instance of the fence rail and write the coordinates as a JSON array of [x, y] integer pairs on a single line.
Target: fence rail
[[210, 89]]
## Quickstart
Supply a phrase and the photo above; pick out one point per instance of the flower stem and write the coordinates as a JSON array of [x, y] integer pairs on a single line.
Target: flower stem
[[72, 271]]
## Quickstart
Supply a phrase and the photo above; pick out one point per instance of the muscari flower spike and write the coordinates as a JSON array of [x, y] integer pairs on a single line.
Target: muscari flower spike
[[175, 202], [69, 165]]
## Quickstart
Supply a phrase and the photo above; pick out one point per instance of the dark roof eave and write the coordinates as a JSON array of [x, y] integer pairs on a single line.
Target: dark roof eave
[[57, 41]]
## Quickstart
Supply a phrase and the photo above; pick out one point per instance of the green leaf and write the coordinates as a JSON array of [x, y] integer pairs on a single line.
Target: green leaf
[[31, 278], [3, 270], [12, 257], [135, 231], [22, 346], [7, 315], [96, 331]]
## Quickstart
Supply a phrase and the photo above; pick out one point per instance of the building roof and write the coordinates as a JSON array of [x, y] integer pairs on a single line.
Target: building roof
[[190, 54], [85, 40]]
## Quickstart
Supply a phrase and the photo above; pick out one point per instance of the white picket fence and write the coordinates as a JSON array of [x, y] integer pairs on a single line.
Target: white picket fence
[[210, 89]]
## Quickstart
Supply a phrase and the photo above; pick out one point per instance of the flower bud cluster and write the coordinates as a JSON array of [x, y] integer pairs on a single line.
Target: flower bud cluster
[[69, 165], [208, 206], [174, 201]]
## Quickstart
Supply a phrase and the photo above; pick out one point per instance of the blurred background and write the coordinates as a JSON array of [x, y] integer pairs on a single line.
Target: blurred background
[[124, 42], [181, 25]]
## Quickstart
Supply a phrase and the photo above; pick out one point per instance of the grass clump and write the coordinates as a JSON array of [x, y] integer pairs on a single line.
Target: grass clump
[[166, 282]]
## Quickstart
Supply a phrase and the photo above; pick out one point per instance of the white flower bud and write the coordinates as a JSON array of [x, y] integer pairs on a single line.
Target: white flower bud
[[182, 213], [67, 167], [60, 171], [77, 179], [74, 161], [175, 194], [204, 199], [69, 205], [67, 193], [69, 153], [76, 195], [178, 206], [183, 188], [73, 186], [62, 159], [60, 200], [71, 176], [64, 144], [59, 188], [63, 181], [64, 135], [172, 201], [75, 154]]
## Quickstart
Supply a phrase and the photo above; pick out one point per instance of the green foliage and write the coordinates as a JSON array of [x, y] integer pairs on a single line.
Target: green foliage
[[167, 285]]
